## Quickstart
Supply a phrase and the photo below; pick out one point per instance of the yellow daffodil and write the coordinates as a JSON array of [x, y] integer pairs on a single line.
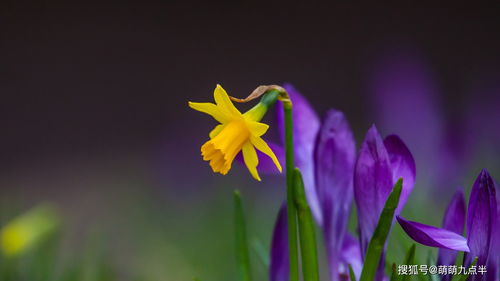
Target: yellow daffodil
[[237, 132]]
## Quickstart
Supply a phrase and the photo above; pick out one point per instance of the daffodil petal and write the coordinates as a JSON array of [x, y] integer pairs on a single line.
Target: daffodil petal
[[261, 145], [251, 159], [216, 130], [210, 109], [224, 103], [256, 128]]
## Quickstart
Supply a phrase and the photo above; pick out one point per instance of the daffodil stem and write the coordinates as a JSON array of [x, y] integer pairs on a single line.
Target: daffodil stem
[[291, 210]]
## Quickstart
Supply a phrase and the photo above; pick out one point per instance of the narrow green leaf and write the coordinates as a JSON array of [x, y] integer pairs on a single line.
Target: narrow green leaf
[[410, 255], [458, 262], [394, 273], [306, 231], [431, 261], [463, 277], [352, 276], [242, 256], [409, 260], [261, 251], [376, 245]]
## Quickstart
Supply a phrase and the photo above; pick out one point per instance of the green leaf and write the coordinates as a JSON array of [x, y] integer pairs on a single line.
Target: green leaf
[[458, 262], [410, 255], [261, 251], [306, 231], [242, 256], [409, 260], [377, 243], [431, 261], [463, 277], [351, 274]]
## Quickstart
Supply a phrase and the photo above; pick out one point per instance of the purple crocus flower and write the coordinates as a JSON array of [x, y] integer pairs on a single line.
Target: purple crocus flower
[[379, 165], [334, 166], [325, 153], [454, 220], [482, 229], [481, 219]]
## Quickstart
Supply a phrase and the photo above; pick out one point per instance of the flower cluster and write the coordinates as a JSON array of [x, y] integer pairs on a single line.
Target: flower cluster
[[482, 227], [338, 175], [379, 177]]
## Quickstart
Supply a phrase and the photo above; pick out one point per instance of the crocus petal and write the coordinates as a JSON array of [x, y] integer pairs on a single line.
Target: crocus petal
[[334, 162], [454, 220], [433, 236], [305, 128], [494, 260], [403, 166], [279, 267], [372, 184], [351, 255], [481, 218]]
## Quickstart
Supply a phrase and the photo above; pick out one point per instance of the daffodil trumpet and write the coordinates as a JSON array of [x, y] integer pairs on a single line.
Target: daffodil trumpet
[[236, 132]]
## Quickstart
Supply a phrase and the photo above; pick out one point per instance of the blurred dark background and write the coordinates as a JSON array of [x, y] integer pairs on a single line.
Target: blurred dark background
[[94, 97]]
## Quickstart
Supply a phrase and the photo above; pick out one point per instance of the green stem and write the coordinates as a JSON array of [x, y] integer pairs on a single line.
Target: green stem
[[291, 211], [242, 255], [306, 230]]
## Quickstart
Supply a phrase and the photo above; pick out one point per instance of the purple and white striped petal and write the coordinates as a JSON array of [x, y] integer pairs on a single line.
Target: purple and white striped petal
[[372, 184], [334, 162], [306, 125], [433, 236], [454, 220], [279, 268], [481, 218]]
